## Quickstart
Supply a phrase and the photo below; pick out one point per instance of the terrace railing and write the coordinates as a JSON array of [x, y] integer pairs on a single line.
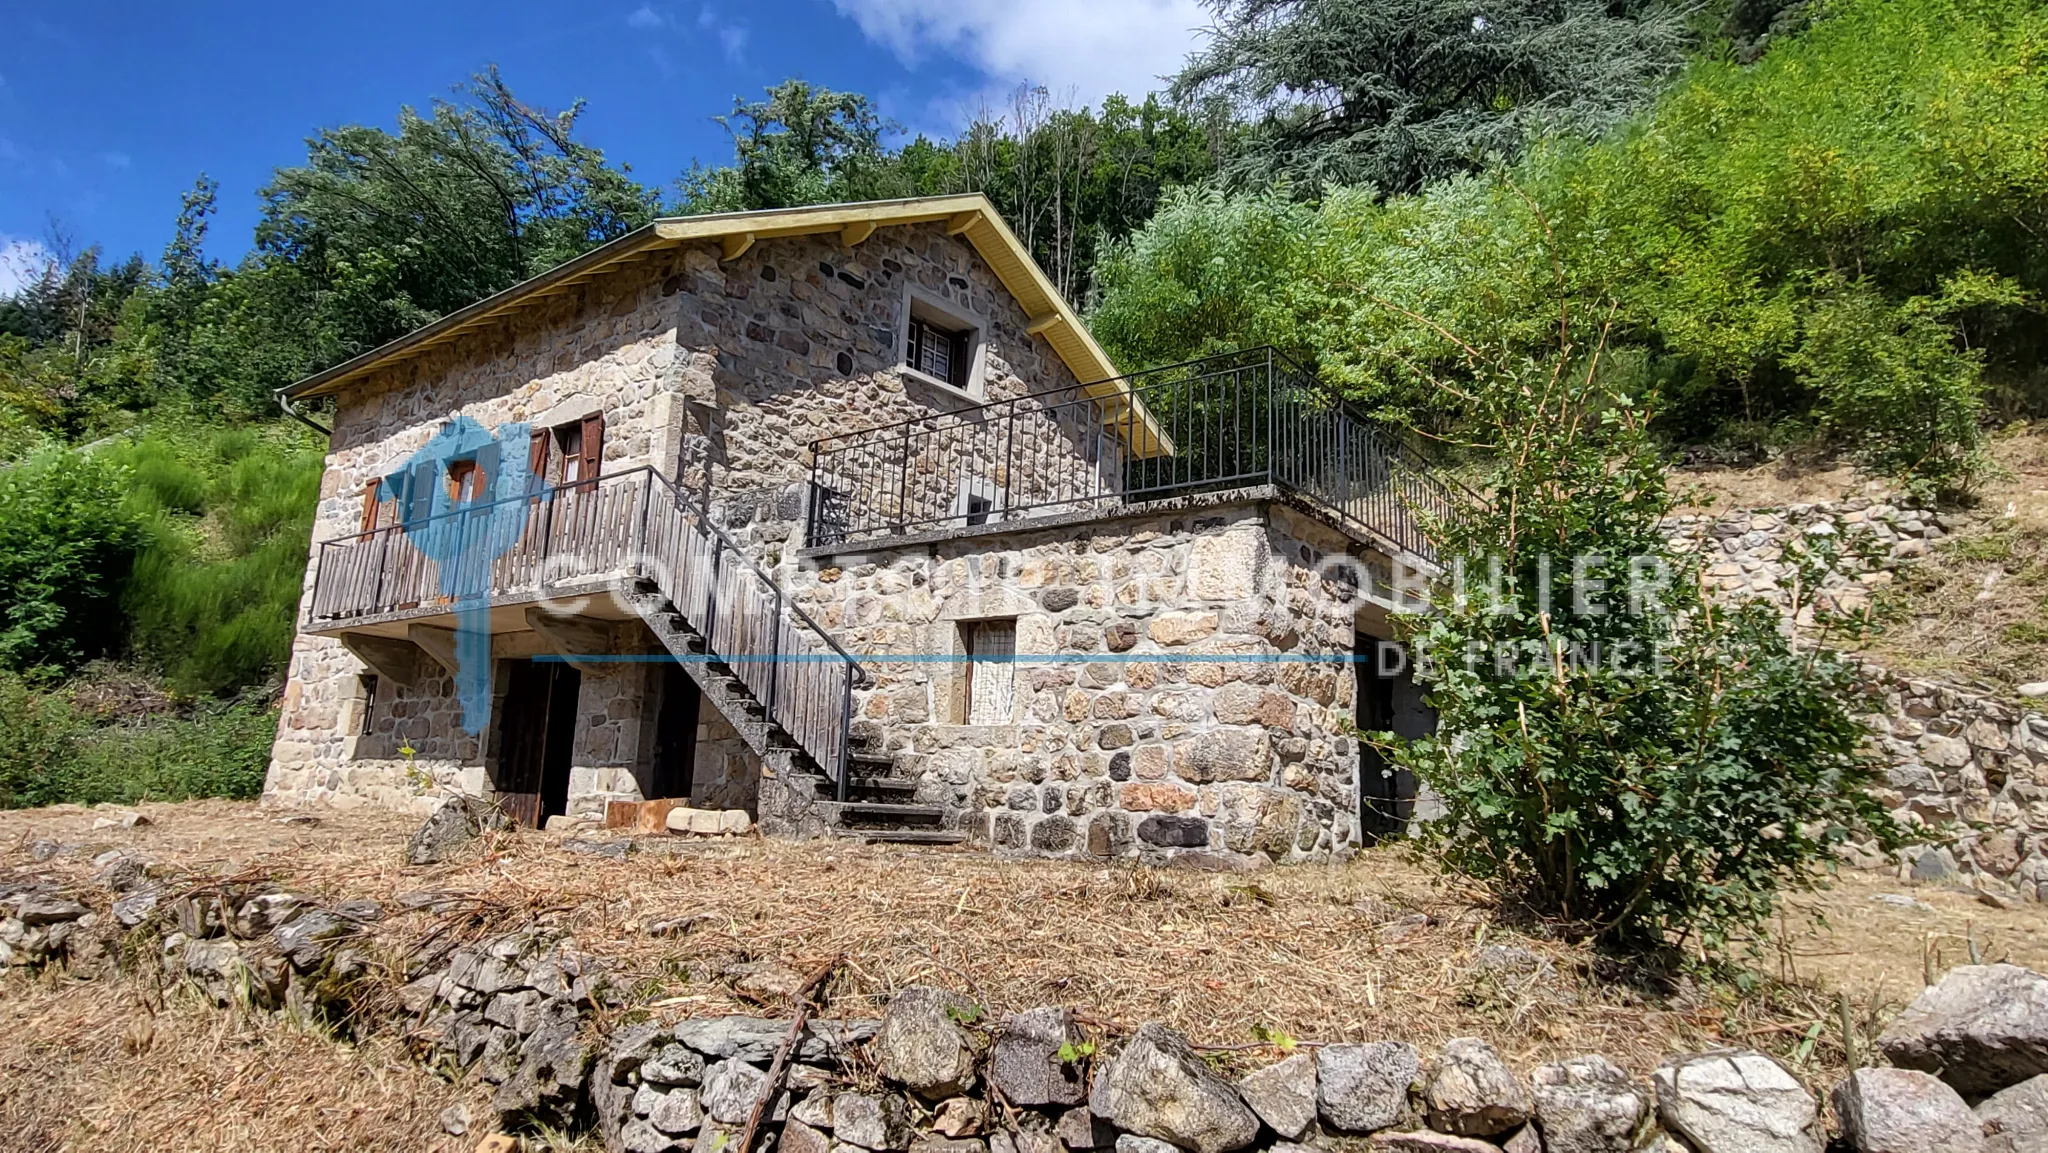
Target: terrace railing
[[1250, 418], [633, 527]]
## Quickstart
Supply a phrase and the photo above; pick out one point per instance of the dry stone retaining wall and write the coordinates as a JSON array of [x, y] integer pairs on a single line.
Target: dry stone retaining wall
[[1967, 771], [568, 1051]]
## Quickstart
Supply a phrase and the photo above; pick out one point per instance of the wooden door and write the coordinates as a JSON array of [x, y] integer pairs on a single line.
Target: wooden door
[[522, 740]]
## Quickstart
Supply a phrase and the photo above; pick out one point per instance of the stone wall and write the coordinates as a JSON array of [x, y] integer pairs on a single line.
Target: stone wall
[[1181, 687], [568, 1050], [720, 373], [1967, 771]]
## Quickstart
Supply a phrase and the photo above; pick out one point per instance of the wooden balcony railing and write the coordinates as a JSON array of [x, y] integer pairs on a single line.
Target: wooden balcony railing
[[631, 528]]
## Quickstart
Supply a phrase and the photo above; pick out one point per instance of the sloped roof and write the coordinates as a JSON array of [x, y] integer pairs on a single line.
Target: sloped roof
[[971, 216]]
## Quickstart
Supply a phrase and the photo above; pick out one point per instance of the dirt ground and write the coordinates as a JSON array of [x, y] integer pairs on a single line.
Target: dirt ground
[[1379, 947]]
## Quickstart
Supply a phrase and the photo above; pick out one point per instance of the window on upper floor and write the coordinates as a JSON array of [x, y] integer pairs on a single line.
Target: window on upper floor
[[942, 345]]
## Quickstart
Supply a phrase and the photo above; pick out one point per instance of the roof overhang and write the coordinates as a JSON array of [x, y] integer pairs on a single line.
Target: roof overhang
[[971, 217]]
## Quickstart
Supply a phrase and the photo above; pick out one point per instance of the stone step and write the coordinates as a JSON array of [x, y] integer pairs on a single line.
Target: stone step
[[909, 836], [867, 814]]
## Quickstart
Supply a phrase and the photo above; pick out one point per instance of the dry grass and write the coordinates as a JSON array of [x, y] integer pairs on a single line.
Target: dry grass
[[1977, 608], [1310, 952]]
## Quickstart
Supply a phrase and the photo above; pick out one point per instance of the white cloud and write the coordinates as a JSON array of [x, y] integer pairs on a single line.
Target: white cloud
[[732, 35], [21, 263], [1088, 48], [645, 17]]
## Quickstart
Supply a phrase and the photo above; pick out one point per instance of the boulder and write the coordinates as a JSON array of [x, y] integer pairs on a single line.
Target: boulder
[[673, 1064], [1981, 1028], [1904, 1111], [1736, 1101], [2015, 1120], [871, 1121], [1283, 1094], [1471, 1092], [1525, 1140], [308, 939], [35, 909], [1158, 1086], [921, 1045], [1586, 1105], [1026, 1065], [1360, 1088], [730, 1089], [452, 827]]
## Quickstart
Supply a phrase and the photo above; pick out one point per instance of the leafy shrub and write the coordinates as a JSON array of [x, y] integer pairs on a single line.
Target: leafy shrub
[[1893, 387], [67, 546], [51, 752], [1614, 750]]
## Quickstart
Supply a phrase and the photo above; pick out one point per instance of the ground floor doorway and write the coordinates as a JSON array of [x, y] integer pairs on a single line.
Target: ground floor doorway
[[1388, 701], [674, 700], [536, 739]]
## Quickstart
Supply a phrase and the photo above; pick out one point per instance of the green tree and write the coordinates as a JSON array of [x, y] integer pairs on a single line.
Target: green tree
[[1394, 94], [804, 144], [1616, 751]]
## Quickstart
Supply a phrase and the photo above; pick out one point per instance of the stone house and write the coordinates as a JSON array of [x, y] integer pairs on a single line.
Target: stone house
[[841, 517]]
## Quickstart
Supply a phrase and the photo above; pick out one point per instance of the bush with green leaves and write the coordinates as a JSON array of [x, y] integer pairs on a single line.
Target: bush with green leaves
[[68, 543], [52, 752], [1615, 751]]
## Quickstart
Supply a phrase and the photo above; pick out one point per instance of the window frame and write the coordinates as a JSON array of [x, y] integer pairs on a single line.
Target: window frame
[[969, 632], [970, 332]]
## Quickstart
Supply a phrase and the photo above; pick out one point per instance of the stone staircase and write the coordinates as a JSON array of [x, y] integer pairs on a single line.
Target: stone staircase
[[879, 806]]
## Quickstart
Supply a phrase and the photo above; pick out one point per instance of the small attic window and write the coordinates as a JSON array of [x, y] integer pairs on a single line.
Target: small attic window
[[942, 345]]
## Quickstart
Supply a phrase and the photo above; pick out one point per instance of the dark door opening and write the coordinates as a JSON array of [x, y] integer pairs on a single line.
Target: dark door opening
[[1388, 701], [537, 740], [675, 736]]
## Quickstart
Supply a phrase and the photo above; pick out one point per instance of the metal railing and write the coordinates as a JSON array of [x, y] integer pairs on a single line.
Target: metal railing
[[627, 527], [1231, 421]]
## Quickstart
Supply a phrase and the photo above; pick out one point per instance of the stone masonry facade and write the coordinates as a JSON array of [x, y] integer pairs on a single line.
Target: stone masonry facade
[[721, 374], [1182, 685]]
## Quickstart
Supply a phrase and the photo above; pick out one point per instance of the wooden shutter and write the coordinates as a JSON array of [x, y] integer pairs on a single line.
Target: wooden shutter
[[593, 445], [956, 365], [369, 522], [537, 459]]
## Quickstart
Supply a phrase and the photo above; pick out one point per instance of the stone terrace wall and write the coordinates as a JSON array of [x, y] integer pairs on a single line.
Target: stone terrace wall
[[1968, 771], [567, 1049], [1199, 710]]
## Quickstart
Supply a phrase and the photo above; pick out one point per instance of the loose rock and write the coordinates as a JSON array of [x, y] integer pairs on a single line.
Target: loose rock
[[1735, 1101], [1157, 1086], [453, 827], [871, 1121], [1586, 1105], [1425, 1141], [1472, 1092], [1981, 1029], [730, 1089], [1904, 1111], [1360, 1088]]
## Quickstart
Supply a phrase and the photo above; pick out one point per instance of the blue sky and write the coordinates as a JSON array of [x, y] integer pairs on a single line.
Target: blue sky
[[109, 110]]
